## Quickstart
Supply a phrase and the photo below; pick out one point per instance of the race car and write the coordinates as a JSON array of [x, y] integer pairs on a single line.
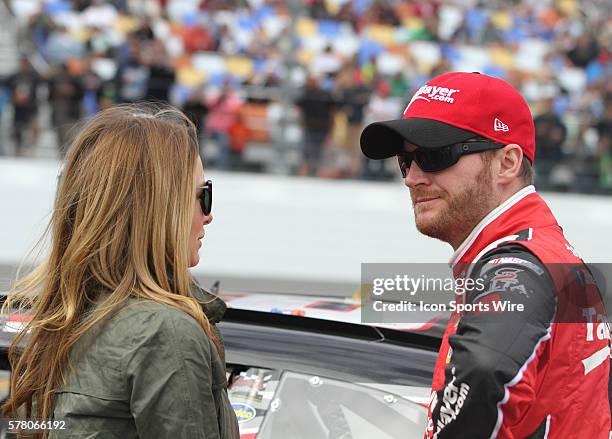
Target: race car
[[306, 367]]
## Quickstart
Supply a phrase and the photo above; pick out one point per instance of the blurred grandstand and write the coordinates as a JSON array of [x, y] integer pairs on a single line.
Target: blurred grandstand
[[286, 86]]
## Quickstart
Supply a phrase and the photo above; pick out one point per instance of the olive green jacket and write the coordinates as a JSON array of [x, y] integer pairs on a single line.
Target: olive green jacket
[[149, 371]]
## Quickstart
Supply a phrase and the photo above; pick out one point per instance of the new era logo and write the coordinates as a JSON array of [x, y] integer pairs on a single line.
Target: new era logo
[[500, 126]]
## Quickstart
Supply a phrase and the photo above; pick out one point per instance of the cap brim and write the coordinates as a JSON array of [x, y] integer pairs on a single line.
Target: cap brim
[[381, 140]]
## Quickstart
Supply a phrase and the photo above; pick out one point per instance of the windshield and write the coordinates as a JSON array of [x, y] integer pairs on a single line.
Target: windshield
[[274, 405]]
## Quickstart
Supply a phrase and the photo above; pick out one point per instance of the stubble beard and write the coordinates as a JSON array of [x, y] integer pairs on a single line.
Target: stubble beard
[[462, 212]]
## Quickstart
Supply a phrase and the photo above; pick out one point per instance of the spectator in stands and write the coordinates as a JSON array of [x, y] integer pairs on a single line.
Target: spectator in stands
[[283, 122], [23, 87], [317, 108], [400, 87], [40, 26], [66, 97], [382, 106], [317, 9], [347, 14], [351, 97], [129, 50], [325, 63], [426, 10], [160, 76], [584, 50], [145, 30], [369, 71], [604, 145], [99, 14], [239, 135], [383, 12], [197, 38], [131, 79], [550, 132], [62, 45], [196, 110], [227, 41], [223, 110], [93, 91]]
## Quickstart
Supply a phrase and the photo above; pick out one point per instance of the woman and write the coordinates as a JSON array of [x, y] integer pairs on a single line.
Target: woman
[[118, 346]]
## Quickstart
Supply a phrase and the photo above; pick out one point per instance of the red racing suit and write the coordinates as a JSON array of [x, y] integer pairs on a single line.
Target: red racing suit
[[540, 373]]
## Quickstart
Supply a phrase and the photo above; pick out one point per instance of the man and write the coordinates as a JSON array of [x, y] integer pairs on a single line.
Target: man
[[65, 96], [550, 134], [466, 145], [23, 87], [317, 107], [382, 105]]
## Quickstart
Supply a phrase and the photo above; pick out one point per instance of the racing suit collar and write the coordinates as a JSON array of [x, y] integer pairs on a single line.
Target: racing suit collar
[[491, 216]]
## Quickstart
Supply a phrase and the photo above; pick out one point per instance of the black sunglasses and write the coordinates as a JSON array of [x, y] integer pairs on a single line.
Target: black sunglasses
[[438, 159], [206, 197]]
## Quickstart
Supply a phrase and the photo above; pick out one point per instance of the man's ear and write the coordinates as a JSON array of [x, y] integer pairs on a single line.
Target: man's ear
[[510, 160]]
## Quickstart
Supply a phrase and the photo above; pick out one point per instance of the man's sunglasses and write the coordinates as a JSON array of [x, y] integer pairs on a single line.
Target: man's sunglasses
[[438, 159], [206, 198]]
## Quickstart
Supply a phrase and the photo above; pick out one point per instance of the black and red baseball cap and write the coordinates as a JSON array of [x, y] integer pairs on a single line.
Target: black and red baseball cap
[[452, 108]]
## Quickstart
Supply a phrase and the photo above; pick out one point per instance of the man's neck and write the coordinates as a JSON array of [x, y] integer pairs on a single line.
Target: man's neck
[[462, 240]]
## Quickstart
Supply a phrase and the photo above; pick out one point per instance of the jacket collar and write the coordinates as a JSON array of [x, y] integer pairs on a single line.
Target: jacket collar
[[468, 243], [213, 306]]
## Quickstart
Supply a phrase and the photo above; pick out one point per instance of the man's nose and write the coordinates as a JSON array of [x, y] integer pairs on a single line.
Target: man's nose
[[415, 176]]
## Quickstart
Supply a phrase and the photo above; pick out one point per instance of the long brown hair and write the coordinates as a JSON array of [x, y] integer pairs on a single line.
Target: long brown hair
[[119, 229]]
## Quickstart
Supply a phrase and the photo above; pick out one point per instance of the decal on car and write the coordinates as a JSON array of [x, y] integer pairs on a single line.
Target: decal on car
[[244, 412]]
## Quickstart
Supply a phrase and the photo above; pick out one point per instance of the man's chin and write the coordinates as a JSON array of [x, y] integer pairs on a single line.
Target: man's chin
[[425, 220], [427, 230], [429, 225]]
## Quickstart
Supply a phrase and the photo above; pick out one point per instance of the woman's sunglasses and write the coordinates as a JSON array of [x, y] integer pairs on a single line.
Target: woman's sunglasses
[[438, 159], [206, 198]]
